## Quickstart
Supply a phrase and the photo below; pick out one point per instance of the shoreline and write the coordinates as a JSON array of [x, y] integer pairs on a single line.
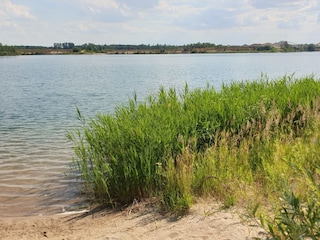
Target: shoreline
[[205, 220]]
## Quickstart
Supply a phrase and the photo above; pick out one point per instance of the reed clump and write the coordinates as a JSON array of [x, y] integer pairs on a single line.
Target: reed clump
[[244, 144]]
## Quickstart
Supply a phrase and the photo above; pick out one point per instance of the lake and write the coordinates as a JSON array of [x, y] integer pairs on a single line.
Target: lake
[[39, 96]]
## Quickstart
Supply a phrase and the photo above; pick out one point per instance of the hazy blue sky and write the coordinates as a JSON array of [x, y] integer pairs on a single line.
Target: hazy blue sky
[[43, 22]]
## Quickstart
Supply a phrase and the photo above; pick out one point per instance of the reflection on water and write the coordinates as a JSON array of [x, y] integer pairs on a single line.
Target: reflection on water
[[39, 96]]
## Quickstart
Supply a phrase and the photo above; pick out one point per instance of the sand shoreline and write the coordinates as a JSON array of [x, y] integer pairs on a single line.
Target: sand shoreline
[[139, 221]]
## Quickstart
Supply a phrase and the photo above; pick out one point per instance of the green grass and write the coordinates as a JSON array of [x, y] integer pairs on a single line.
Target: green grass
[[248, 143]]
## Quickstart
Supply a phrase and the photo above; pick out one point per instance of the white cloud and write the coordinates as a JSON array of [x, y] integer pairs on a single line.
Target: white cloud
[[11, 10], [280, 14], [116, 11], [286, 4], [97, 5], [159, 21], [13, 18], [139, 4]]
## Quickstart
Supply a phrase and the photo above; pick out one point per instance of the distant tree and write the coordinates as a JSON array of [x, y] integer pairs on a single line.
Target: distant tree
[[76, 49], [265, 48], [7, 50], [285, 46], [311, 47], [89, 47], [57, 45], [66, 45]]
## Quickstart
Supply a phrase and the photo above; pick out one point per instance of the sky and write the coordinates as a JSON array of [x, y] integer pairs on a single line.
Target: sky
[[173, 22]]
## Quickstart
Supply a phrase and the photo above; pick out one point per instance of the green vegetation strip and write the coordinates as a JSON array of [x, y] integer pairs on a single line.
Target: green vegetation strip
[[7, 50], [250, 143]]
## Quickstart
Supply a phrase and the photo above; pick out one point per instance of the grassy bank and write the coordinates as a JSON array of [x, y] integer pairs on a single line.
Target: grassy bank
[[251, 144]]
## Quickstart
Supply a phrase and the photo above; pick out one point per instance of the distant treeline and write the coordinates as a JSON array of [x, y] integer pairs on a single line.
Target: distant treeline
[[283, 46], [7, 50], [141, 48], [71, 48]]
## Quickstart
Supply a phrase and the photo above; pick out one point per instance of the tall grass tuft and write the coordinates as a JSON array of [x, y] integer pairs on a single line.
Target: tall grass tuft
[[250, 140]]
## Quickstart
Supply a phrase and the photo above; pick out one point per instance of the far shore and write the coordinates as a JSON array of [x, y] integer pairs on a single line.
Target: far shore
[[194, 48]]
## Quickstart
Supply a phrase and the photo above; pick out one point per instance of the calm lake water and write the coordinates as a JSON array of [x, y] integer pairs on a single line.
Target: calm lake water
[[39, 96]]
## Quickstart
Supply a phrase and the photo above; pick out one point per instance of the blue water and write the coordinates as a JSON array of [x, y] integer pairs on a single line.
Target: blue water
[[39, 96]]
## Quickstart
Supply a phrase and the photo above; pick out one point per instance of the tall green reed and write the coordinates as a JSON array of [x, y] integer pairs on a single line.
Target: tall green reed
[[196, 142]]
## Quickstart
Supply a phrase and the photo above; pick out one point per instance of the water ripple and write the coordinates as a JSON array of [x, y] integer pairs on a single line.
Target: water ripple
[[39, 96]]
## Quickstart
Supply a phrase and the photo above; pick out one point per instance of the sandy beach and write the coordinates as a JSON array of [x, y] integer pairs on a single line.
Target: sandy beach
[[205, 220]]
